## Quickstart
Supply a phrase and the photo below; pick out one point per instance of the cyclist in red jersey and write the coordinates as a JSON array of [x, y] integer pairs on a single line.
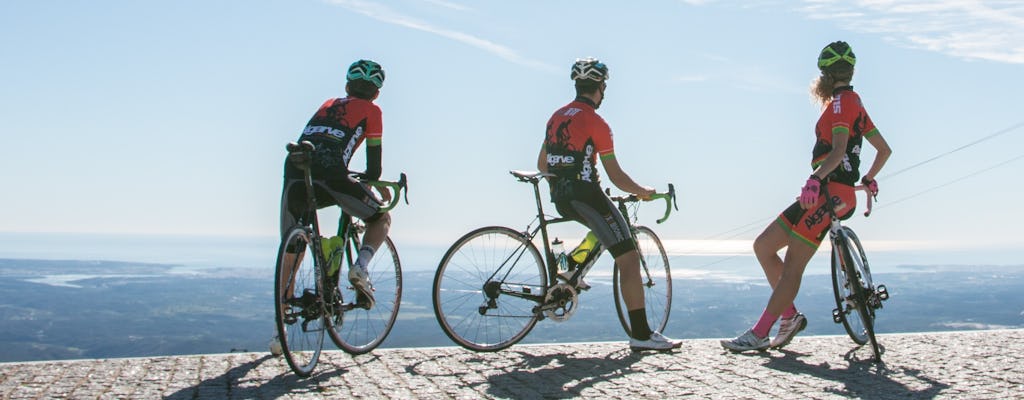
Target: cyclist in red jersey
[[575, 138], [337, 129], [839, 133]]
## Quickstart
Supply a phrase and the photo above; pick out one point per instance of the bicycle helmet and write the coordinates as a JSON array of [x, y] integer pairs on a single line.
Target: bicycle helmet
[[366, 70], [589, 69], [835, 52]]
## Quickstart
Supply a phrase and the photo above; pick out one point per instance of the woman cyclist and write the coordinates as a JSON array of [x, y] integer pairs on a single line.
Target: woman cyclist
[[800, 228]]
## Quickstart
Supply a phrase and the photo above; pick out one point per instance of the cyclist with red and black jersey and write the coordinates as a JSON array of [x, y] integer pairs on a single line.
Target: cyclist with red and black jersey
[[839, 134], [575, 139], [337, 129]]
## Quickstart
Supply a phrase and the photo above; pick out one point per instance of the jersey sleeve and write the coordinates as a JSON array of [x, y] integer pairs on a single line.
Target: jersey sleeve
[[603, 138], [374, 126]]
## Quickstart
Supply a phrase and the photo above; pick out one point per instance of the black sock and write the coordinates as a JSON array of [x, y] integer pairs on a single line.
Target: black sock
[[638, 324]]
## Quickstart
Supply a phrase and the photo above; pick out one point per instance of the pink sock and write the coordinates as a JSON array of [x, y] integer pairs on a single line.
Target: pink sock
[[764, 325], [790, 312]]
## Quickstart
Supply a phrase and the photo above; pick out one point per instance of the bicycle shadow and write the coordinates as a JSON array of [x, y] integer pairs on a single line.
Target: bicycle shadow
[[532, 376], [227, 384], [861, 378], [560, 375]]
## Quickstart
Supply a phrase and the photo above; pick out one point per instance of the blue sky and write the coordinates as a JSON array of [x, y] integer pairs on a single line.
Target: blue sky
[[170, 117]]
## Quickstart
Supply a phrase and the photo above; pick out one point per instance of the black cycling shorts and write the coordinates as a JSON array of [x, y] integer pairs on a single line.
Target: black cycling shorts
[[585, 203], [353, 197]]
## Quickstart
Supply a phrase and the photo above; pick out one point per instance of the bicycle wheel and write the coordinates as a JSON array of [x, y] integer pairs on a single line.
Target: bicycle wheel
[[851, 285], [656, 279], [487, 287], [358, 329], [298, 306]]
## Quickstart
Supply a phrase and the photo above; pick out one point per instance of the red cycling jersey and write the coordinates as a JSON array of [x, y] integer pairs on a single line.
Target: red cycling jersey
[[575, 137], [844, 114], [337, 129]]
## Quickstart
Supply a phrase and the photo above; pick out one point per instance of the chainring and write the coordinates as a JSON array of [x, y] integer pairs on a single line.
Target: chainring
[[563, 301]]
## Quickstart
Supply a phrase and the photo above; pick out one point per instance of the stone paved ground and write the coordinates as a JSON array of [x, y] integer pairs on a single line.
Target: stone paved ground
[[956, 365]]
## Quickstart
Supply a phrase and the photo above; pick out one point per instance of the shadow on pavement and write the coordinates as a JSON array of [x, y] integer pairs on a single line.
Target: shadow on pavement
[[227, 384], [862, 378], [559, 375]]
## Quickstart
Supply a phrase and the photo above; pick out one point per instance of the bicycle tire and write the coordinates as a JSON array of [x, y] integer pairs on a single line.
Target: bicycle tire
[[361, 330], [461, 301], [301, 331], [657, 281], [851, 283]]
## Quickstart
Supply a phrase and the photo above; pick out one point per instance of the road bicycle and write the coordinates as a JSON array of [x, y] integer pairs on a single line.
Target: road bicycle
[[309, 303], [492, 286], [857, 296]]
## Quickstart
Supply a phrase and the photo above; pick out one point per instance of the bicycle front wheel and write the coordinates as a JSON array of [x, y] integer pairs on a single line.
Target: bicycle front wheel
[[487, 288], [655, 278], [851, 283], [298, 306], [359, 329]]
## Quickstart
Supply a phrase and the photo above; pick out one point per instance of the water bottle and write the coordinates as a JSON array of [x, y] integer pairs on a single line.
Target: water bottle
[[583, 250], [558, 250]]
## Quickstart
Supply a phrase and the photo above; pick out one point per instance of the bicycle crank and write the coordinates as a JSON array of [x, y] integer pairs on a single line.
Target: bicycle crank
[[561, 302]]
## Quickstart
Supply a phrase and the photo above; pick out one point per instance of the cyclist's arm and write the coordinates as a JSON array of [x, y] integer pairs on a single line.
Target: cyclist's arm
[[622, 180], [835, 156], [882, 155], [373, 161]]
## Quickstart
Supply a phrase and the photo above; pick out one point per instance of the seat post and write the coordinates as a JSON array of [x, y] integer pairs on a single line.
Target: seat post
[[536, 195]]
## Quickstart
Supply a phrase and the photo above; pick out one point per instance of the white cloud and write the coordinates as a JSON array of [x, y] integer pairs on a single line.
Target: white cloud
[[447, 4], [385, 14], [970, 29]]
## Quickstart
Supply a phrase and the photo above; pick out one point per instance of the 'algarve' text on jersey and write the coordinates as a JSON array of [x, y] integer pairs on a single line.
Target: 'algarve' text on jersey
[[337, 129], [575, 137]]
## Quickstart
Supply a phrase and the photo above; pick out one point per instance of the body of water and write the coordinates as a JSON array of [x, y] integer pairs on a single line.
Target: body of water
[[98, 296]]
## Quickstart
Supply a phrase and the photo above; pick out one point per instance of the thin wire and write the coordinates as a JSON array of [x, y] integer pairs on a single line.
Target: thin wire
[[1001, 132], [953, 181]]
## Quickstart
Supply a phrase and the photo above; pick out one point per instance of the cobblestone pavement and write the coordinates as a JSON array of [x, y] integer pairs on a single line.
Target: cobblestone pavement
[[974, 364]]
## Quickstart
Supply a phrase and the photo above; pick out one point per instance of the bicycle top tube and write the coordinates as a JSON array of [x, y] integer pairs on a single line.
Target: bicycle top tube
[[300, 154]]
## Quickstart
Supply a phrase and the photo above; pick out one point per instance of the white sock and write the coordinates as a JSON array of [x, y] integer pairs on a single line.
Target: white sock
[[365, 255]]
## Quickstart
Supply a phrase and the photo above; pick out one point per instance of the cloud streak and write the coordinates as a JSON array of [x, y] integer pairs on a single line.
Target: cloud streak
[[385, 14], [971, 29]]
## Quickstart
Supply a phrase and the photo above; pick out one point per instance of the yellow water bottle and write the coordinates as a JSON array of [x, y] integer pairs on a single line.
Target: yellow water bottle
[[332, 249], [579, 254]]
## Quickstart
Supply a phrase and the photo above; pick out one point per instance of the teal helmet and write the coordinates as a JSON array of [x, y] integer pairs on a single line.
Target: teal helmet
[[834, 53], [589, 69], [366, 70]]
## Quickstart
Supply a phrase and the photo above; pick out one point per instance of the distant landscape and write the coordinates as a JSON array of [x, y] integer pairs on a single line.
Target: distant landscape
[[67, 309]]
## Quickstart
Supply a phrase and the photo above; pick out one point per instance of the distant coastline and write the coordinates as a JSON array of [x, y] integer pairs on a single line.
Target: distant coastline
[[69, 309]]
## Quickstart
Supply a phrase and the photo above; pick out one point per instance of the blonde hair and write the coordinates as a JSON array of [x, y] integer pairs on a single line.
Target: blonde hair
[[823, 86]]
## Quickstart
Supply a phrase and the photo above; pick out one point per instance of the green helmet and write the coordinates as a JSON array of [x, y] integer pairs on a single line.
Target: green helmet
[[366, 70], [835, 52], [589, 69]]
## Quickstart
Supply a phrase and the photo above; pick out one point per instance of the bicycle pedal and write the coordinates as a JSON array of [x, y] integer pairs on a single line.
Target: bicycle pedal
[[837, 316], [883, 293]]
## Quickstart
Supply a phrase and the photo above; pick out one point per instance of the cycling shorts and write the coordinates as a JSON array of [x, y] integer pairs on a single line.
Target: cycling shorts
[[585, 203], [811, 225], [353, 197]]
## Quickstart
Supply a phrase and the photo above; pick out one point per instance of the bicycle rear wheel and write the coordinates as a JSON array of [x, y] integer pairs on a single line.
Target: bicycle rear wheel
[[487, 287], [851, 283], [359, 329], [298, 305], [656, 279]]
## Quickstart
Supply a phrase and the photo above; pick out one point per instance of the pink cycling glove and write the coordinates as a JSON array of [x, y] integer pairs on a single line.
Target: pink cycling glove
[[872, 185], [809, 194]]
